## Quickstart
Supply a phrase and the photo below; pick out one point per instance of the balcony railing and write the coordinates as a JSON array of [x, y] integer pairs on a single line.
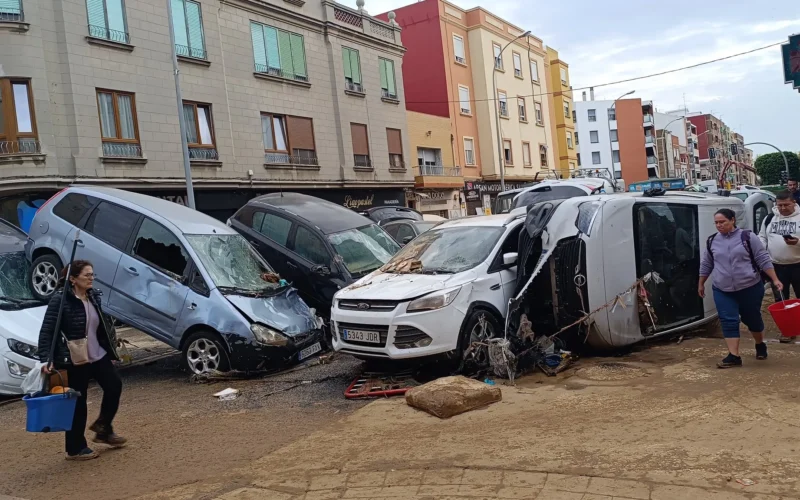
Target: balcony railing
[[287, 159], [268, 70], [354, 87], [649, 139], [107, 34], [121, 150], [389, 95], [362, 161], [203, 154], [195, 53], [11, 11], [20, 147], [651, 160], [648, 120], [439, 171]]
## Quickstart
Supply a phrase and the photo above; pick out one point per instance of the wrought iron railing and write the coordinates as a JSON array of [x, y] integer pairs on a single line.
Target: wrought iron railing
[[203, 154], [20, 147], [354, 87], [196, 53], [12, 12], [268, 70], [108, 34], [287, 159], [362, 161], [387, 94], [121, 150], [439, 170]]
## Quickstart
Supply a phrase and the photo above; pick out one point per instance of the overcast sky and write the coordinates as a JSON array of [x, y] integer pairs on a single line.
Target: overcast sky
[[610, 40]]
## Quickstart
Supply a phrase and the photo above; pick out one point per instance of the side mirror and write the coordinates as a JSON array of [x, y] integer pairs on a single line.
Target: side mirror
[[321, 270], [407, 239], [510, 259]]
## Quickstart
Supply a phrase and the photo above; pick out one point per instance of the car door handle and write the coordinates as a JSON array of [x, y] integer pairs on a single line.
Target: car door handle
[[495, 287], [132, 271], [291, 265], [80, 243], [192, 306]]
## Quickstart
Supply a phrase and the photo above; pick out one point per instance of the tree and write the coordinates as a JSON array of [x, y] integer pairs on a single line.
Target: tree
[[770, 166]]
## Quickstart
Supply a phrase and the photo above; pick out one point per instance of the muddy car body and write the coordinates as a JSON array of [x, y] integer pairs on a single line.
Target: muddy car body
[[588, 254]]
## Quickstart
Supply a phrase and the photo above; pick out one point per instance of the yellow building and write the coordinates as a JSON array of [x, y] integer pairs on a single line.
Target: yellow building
[[561, 105]]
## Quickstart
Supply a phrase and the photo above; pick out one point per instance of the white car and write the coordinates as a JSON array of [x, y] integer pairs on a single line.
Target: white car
[[448, 287], [508, 201], [20, 314]]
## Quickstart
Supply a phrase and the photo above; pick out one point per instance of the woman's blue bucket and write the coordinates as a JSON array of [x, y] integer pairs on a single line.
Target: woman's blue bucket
[[51, 413]]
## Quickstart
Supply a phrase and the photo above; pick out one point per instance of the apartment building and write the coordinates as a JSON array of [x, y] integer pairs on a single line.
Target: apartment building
[[455, 60], [277, 94], [673, 126], [562, 111], [715, 139], [618, 136]]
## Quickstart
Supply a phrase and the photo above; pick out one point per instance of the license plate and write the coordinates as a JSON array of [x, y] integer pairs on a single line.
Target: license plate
[[308, 351], [361, 336]]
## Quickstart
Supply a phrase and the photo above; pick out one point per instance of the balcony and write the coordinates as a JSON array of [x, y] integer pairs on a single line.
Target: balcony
[[271, 73], [190, 52], [388, 96], [648, 120], [20, 147], [649, 140], [353, 88], [104, 33], [121, 150], [203, 154], [651, 160], [285, 159], [438, 176], [498, 63]]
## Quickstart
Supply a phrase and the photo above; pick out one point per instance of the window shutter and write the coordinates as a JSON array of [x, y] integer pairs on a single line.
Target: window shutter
[[116, 16], [10, 6], [194, 21], [301, 132], [298, 55], [458, 47], [390, 77], [259, 53], [358, 132], [97, 13], [346, 55], [382, 65], [271, 42], [179, 23], [395, 141], [355, 65], [285, 49]]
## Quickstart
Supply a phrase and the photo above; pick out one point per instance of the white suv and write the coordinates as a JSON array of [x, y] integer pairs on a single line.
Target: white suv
[[444, 289]]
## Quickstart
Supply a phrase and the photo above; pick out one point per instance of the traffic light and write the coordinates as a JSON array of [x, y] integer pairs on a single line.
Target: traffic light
[[734, 150], [784, 177]]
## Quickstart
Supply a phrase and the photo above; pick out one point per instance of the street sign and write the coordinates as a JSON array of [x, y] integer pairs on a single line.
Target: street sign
[[791, 61]]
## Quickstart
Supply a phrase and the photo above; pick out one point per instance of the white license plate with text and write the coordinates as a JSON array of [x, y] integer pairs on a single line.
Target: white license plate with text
[[361, 336], [308, 351]]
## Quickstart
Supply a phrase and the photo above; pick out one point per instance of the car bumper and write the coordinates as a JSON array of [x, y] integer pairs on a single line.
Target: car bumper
[[396, 327], [249, 355], [13, 369]]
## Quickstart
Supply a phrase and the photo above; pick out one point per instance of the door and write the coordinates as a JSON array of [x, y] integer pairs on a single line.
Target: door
[[269, 234], [666, 240], [315, 269], [102, 242], [149, 286]]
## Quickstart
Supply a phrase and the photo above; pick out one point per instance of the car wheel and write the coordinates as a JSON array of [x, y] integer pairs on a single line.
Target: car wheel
[[480, 326], [44, 276], [203, 352]]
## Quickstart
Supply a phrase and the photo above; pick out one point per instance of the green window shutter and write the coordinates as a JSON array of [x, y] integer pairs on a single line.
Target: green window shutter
[[271, 40], [298, 55], [285, 48], [355, 63], [179, 25], [10, 6], [259, 53], [97, 13], [194, 22], [384, 84], [116, 16], [346, 55], [390, 77]]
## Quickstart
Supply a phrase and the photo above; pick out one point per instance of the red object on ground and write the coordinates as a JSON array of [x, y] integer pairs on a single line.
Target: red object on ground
[[787, 318], [379, 385]]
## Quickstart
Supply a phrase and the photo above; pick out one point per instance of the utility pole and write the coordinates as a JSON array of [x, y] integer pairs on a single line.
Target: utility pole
[[187, 167]]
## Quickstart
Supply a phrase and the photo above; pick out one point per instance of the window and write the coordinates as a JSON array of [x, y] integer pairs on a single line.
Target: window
[[508, 155], [17, 121], [352, 69], [503, 103], [526, 154], [576, 138], [112, 224], [11, 10], [579, 159], [272, 226], [593, 137], [566, 109], [428, 158], [595, 158], [612, 114], [199, 131], [564, 76], [615, 155], [523, 115], [569, 139], [107, 20], [394, 138], [572, 165], [469, 151], [534, 71], [574, 115], [188, 24], [310, 247], [73, 207], [159, 247], [118, 127], [537, 108], [282, 134], [404, 232], [358, 133], [463, 97], [543, 155], [458, 49], [517, 65], [388, 88], [592, 114], [613, 135], [278, 53], [498, 58]]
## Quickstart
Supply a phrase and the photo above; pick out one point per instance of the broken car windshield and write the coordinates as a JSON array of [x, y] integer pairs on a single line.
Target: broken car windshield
[[364, 249], [231, 262], [445, 251], [14, 288]]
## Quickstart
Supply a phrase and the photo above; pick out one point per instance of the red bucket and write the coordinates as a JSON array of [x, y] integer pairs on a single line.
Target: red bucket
[[787, 318]]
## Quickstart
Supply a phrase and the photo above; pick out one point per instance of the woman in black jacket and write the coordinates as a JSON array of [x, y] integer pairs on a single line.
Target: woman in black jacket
[[82, 318]]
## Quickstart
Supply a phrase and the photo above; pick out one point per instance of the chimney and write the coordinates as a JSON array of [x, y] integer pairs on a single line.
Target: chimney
[[591, 93], [584, 95]]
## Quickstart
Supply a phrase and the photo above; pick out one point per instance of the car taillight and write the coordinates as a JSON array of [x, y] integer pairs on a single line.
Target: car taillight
[[49, 200]]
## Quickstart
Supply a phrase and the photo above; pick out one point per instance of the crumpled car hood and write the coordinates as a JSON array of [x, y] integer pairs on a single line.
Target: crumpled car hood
[[22, 325], [285, 311], [388, 286]]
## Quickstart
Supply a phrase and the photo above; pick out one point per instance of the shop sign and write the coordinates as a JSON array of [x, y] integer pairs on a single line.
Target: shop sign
[[493, 187]]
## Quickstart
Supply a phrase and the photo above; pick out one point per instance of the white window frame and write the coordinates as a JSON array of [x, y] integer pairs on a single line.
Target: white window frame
[[564, 76], [594, 134], [526, 148], [517, 62], [522, 109], [534, 72], [569, 140], [538, 113], [471, 149], [599, 157], [461, 103], [461, 59]]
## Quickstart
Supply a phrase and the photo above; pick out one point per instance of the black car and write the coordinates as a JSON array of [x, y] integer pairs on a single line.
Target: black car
[[405, 230], [316, 245], [386, 214]]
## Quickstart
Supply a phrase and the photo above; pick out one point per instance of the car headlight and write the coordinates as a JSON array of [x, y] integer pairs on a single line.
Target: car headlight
[[268, 336], [436, 300], [23, 349]]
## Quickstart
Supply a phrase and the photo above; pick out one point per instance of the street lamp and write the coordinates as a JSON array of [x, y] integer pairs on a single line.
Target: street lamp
[[610, 143], [785, 161], [497, 112]]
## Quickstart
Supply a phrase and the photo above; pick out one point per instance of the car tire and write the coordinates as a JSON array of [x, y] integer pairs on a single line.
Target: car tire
[[204, 352], [44, 275], [479, 326]]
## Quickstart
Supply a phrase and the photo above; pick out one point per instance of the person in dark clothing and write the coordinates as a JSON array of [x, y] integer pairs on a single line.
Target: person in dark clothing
[[792, 186], [82, 318]]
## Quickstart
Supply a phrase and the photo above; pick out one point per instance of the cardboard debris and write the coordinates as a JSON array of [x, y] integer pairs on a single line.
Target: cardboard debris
[[449, 396]]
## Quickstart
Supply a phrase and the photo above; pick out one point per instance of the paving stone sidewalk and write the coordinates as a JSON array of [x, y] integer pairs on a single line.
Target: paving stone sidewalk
[[472, 484]]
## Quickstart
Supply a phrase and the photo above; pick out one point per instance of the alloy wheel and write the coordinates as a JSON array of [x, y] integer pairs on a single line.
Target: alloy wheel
[[203, 356], [45, 278]]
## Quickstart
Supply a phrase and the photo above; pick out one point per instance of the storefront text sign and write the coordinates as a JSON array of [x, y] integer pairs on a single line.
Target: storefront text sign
[[356, 203]]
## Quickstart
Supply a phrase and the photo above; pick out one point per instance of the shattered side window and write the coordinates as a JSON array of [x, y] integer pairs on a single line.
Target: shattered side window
[[161, 248], [13, 277], [364, 249], [231, 261]]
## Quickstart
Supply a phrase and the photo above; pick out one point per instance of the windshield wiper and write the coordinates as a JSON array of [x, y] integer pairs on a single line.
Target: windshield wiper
[[15, 300], [249, 292], [435, 270]]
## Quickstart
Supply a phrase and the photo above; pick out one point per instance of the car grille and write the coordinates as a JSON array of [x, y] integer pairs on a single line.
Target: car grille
[[368, 305], [383, 330], [406, 336]]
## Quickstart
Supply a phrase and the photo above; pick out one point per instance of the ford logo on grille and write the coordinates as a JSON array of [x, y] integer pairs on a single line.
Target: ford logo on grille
[[363, 305]]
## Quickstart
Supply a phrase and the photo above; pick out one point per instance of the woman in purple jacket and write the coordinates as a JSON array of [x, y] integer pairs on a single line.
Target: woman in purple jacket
[[737, 258]]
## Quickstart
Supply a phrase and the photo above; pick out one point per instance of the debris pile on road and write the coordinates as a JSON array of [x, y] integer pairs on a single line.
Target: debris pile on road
[[449, 396]]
